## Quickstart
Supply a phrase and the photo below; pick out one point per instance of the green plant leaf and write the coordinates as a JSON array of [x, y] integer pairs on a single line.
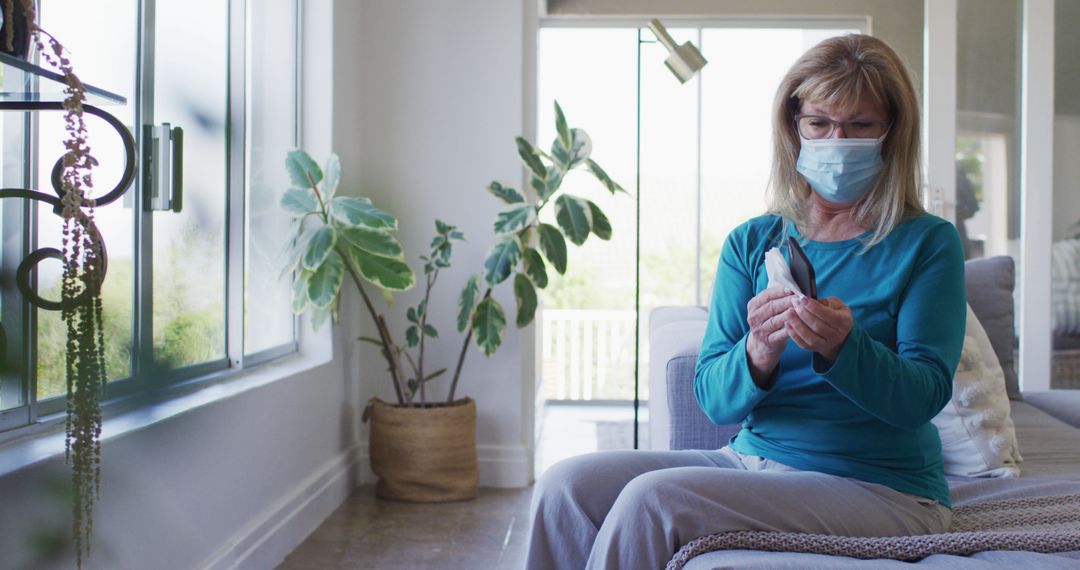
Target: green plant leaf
[[299, 201], [553, 246], [430, 331], [548, 186], [372, 340], [467, 301], [435, 374], [318, 318], [377, 242], [535, 267], [388, 274], [412, 337], [578, 152], [411, 315], [574, 217], [353, 211], [514, 219], [600, 224], [560, 126], [333, 177], [300, 292], [504, 193], [489, 322], [530, 157], [501, 260], [303, 172], [318, 247], [325, 282], [604, 178], [525, 295], [293, 253]]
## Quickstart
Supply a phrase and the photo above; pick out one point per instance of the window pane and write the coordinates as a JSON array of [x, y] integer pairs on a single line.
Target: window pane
[[107, 61], [190, 88], [669, 184], [588, 314], [13, 156], [271, 130], [987, 125], [1065, 252], [988, 70], [737, 128]]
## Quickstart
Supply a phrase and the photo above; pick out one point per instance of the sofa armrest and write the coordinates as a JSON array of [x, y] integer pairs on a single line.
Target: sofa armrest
[[675, 420], [672, 330]]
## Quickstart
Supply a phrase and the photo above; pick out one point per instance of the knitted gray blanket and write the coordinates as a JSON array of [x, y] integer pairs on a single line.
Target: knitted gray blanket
[[1037, 524]]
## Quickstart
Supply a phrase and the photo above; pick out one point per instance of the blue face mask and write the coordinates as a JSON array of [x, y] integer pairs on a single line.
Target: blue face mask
[[840, 170]]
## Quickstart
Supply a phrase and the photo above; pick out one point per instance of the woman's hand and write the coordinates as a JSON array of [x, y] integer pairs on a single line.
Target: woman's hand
[[767, 314], [820, 326]]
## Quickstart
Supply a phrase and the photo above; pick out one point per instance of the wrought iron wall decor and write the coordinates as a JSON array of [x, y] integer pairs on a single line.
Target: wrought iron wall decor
[[22, 275]]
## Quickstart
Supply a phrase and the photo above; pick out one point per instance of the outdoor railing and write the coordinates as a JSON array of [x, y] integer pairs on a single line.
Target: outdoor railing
[[588, 354]]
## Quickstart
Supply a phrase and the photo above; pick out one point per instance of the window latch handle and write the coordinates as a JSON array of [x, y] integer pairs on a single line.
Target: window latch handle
[[163, 168]]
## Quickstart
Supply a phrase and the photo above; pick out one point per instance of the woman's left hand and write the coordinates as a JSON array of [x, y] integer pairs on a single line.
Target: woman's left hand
[[820, 325]]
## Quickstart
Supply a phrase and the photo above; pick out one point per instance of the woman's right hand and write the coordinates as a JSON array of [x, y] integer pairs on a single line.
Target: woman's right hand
[[767, 314]]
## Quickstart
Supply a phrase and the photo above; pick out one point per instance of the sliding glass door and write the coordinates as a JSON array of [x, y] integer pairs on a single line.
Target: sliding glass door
[[696, 158]]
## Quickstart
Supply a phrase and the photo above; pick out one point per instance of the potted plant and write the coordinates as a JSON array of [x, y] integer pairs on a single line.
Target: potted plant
[[424, 449], [523, 248]]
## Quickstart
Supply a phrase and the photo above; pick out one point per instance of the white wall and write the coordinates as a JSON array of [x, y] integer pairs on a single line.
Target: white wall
[[428, 98], [236, 474]]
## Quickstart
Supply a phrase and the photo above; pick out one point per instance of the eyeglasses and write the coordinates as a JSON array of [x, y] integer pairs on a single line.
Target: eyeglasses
[[817, 127]]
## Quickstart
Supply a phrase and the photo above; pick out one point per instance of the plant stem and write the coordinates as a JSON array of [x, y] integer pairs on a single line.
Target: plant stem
[[389, 349], [423, 336], [318, 195], [461, 356]]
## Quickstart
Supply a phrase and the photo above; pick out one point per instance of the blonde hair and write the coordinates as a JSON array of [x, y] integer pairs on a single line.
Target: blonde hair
[[840, 72]]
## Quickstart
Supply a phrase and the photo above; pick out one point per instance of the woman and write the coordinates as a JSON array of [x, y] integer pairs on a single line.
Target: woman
[[835, 394]]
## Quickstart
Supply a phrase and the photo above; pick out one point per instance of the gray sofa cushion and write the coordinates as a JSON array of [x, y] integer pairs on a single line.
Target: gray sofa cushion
[[690, 427], [989, 283]]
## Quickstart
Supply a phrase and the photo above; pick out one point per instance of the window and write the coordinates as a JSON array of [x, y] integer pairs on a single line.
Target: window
[[189, 292]]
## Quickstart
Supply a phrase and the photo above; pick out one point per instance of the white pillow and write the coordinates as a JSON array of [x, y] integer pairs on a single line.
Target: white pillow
[[978, 438]]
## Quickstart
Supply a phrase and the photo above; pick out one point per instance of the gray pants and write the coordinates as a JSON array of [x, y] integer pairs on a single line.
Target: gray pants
[[635, 509]]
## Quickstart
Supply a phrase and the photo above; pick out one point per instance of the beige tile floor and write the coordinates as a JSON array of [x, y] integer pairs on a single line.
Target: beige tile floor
[[365, 532], [489, 532]]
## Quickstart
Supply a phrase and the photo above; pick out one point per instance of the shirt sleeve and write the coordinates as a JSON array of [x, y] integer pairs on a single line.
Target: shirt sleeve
[[907, 387], [723, 385]]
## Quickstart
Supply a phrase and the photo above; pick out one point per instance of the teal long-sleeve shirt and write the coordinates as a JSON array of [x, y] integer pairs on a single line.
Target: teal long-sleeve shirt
[[867, 414]]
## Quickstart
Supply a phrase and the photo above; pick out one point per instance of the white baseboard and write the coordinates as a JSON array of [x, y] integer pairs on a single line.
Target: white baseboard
[[281, 527], [505, 466], [502, 466]]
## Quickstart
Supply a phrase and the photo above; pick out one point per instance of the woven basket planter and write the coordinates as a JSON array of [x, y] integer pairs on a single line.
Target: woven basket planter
[[424, 455]]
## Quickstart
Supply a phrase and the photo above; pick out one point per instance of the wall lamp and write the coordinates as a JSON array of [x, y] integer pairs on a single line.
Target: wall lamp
[[685, 60]]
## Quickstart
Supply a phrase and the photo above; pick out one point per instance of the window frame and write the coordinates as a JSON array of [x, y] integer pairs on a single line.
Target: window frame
[[147, 382]]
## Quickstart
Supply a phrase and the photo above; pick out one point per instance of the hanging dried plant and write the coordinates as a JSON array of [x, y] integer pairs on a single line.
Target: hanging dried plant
[[84, 266]]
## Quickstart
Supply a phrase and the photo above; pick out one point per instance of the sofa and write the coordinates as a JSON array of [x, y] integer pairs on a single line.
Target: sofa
[[1047, 428]]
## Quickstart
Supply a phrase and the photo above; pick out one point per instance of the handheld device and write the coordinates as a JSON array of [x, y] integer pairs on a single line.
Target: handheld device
[[801, 269]]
